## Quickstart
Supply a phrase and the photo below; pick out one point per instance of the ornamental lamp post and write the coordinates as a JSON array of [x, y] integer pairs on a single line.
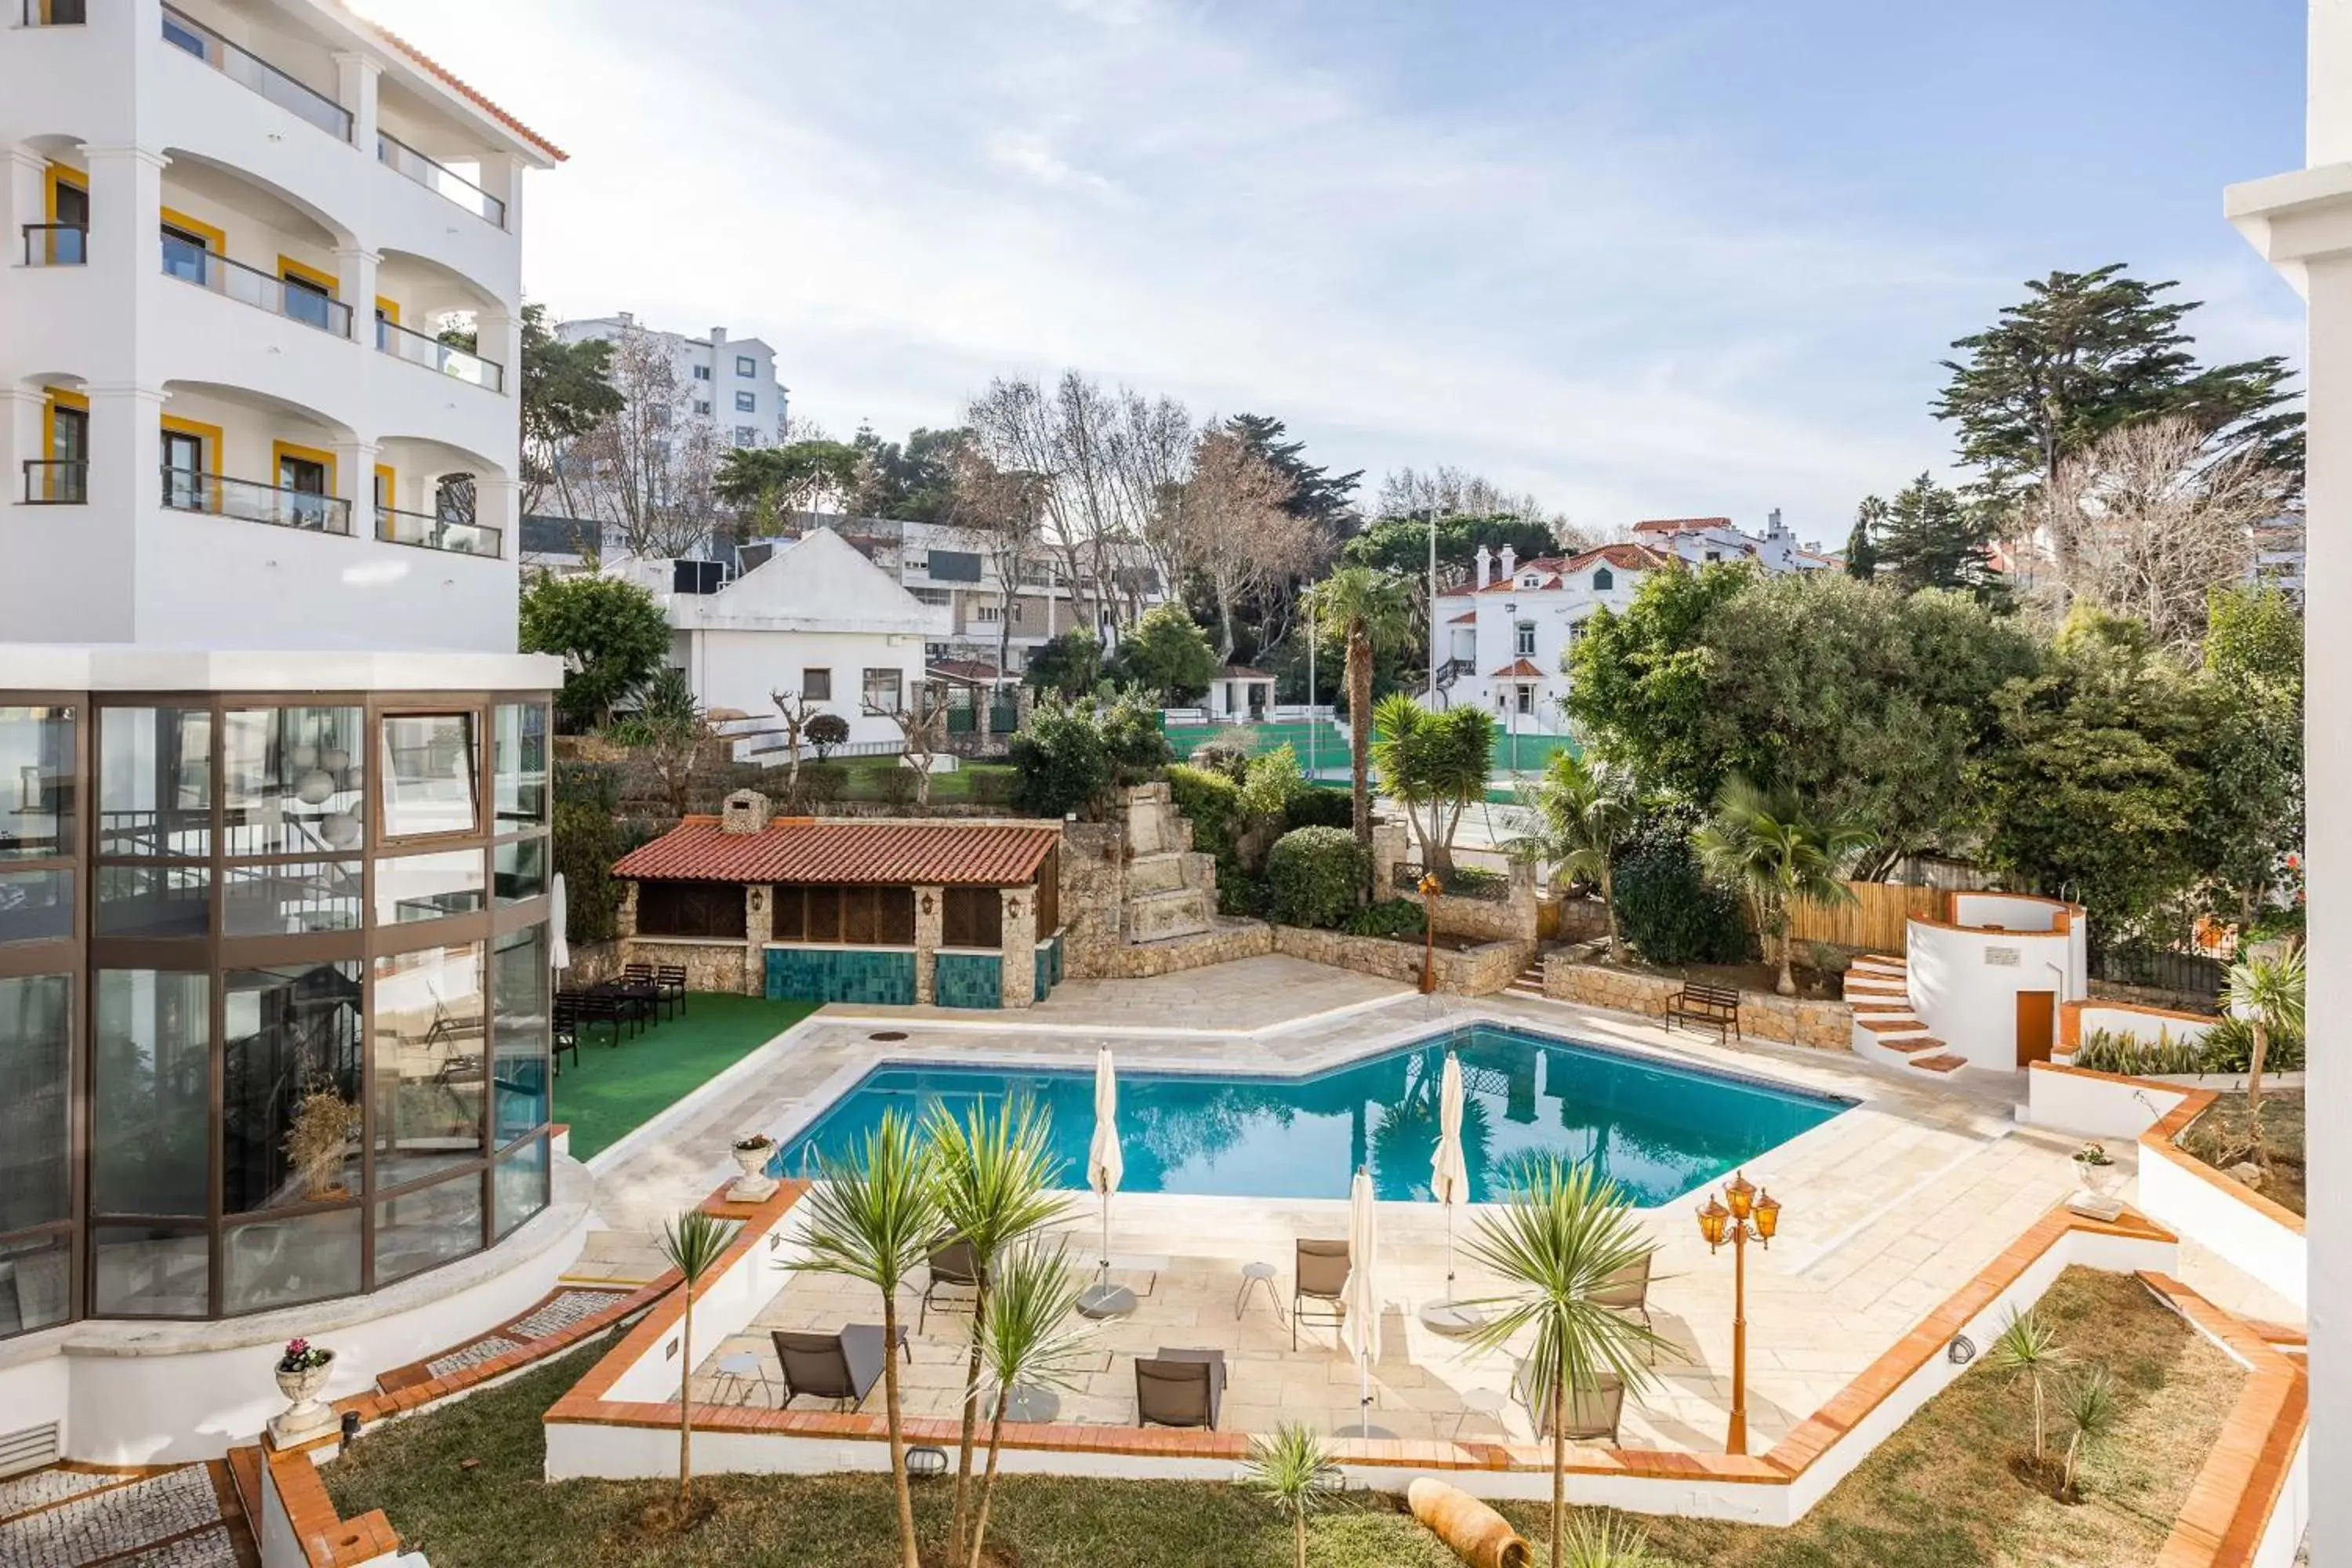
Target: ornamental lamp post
[[1428, 887], [1752, 1213]]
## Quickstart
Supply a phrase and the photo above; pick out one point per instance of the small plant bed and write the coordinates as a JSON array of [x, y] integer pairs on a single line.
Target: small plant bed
[[2225, 1137], [1956, 1486]]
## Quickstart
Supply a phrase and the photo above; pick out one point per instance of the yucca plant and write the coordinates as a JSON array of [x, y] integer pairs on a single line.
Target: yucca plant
[[1294, 1469], [1599, 1541], [2268, 994], [2092, 1412], [873, 1217], [693, 1243], [1558, 1240], [1031, 1334], [992, 1174], [2029, 1351]]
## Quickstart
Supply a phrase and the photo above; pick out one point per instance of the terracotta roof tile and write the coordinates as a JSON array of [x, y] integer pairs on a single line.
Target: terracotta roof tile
[[456, 84], [1467, 618], [797, 850], [1520, 670], [1679, 524], [1244, 672]]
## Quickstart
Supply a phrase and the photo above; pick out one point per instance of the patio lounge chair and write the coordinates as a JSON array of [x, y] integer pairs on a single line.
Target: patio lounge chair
[[671, 978], [952, 1268], [1179, 1388], [1592, 1413], [1321, 1278], [1627, 1294], [567, 1038], [842, 1367], [643, 974]]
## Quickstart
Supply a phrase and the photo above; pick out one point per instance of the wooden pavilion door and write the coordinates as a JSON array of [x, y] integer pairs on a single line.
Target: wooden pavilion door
[[2037, 1017]]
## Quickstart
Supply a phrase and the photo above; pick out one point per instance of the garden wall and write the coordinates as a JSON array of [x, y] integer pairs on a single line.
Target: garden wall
[[1479, 971], [710, 965], [1816, 1022]]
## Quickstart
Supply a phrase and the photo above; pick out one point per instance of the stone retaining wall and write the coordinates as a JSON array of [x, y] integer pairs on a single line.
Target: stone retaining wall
[[708, 965], [1481, 970], [1222, 943], [1814, 1022], [1094, 887]]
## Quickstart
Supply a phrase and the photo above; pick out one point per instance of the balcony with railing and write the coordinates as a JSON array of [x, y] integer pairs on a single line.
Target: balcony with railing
[[407, 161], [250, 71], [216, 495], [251, 285], [423, 349], [54, 13], [56, 481], [459, 538], [55, 245]]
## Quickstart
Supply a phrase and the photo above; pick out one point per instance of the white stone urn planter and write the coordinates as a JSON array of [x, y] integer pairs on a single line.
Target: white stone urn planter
[[2096, 1177], [302, 1373], [752, 1153]]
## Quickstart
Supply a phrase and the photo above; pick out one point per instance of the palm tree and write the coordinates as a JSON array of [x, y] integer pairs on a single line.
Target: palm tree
[[1559, 1239], [873, 1218], [2093, 1410], [1030, 1333], [1368, 608], [1293, 1469], [1777, 850], [1584, 811], [2028, 1349], [992, 1174], [2267, 993], [693, 1242], [1433, 762]]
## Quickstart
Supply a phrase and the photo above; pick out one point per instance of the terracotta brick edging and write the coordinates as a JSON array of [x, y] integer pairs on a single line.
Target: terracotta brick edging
[[2159, 1140], [328, 1540], [2244, 1479]]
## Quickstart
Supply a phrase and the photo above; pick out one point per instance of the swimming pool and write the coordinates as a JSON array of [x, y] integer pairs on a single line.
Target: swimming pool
[[1658, 1129]]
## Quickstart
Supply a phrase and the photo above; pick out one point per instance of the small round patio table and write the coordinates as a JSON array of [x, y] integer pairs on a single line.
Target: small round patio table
[[1258, 1274]]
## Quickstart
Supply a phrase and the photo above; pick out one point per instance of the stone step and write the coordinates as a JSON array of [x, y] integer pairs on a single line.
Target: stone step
[[1905, 1024], [1162, 872], [1943, 1064], [1914, 1043], [1859, 971], [1149, 917]]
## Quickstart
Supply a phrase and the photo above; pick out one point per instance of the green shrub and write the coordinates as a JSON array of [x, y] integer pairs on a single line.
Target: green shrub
[[1222, 755], [1315, 877], [1211, 801], [819, 781], [1061, 762], [1311, 807], [1666, 906], [898, 785], [991, 787], [2111, 1050], [1132, 740], [1473, 880], [1395, 917]]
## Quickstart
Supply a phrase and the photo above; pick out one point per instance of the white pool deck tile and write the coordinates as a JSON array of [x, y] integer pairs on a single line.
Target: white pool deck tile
[[1888, 1208]]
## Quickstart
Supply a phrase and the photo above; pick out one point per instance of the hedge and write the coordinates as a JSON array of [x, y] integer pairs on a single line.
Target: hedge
[[1315, 877], [1666, 906]]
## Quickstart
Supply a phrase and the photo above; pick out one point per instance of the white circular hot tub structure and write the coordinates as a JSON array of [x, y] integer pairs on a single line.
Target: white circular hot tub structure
[[1980, 988]]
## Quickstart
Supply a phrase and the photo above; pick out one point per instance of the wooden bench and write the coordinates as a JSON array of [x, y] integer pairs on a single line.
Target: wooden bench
[[1713, 1008]]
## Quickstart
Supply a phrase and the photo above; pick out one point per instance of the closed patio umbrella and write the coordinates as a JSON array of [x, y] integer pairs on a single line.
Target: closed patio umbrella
[[1360, 1327], [1104, 1167], [1449, 1184], [558, 949]]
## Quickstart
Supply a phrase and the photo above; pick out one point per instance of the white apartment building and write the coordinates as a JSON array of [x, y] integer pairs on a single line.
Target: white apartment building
[[1702, 540], [816, 617], [728, 383], [1506, 633], [274, 830]]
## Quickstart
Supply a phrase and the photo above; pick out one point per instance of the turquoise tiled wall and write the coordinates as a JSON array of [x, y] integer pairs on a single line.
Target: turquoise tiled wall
[[1049, 966], [968, 980], [841, 975]]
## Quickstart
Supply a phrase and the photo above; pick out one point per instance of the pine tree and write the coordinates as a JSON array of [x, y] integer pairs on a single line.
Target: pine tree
[[1930, 537], [1861, 544], [2087, 352]]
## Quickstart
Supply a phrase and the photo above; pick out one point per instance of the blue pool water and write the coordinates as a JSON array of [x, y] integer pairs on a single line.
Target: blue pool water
[[1658, 1131]]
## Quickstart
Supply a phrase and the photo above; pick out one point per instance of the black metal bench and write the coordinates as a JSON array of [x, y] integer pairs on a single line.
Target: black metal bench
[[1701, 1006]]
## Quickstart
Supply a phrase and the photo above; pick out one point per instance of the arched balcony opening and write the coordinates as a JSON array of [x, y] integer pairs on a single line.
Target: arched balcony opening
[[228, 231], [432, 315], [50, 213], [442, 497], [230, 452]]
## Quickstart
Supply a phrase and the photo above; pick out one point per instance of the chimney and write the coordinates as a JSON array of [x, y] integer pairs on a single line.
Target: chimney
[[1772, 529], [1486, 565], [628, 318], [745, 811], [1510, 562]]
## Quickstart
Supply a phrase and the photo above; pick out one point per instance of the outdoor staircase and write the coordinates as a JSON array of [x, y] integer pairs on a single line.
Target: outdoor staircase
[[1529, 982], [1886, 1029], [1165, 896]]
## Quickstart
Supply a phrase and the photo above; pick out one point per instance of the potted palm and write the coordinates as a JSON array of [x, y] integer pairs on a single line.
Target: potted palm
[[302, 1373], [752, 1152]]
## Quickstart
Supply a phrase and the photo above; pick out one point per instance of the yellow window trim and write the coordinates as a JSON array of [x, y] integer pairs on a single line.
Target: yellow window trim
[[281, 450], [60, 175], [391, 478], [213, 238], [388, 309], [59, 397], [210, 435], [289, 268]]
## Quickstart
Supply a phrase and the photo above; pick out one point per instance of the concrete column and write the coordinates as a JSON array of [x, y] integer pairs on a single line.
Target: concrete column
[[624, 919], [497, 503], [931, 919], [355, 88], [500, 175], [26, 196], [20, 436], [355, 482], [125, 462], [356, 266], [1020, 946], [759, 928], [126, 193]]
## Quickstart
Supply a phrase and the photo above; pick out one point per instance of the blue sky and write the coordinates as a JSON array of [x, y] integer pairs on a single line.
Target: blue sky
[[1664, 258]]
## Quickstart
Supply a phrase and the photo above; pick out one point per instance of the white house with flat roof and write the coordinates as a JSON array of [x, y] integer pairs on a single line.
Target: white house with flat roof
[[728, 383]]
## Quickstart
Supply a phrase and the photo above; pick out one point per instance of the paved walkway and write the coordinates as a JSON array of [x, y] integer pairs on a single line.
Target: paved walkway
[[75, 1518], [1889, 1207]]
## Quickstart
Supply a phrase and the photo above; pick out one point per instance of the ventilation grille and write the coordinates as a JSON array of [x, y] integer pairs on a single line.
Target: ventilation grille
[[34, 1449]]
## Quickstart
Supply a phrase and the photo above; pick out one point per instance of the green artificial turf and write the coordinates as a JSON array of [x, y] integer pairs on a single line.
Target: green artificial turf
[[612, 1091]]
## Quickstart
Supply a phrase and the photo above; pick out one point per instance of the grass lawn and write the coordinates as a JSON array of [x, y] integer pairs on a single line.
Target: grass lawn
[[613, 1091], [1942, 1493], [868, 781]]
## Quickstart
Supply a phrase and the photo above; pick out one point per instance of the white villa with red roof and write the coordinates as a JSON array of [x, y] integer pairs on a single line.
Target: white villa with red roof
[[1704, 540], [1505, 634]]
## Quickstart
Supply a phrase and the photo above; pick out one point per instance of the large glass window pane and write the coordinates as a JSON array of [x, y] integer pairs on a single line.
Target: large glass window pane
[[434, 1225], [154, 900], [294, 897], [429, 1028], [429, 887], [154, 782], [36, 1283], [522, 868], [36, 1100], [280, 1262], [429, 769], [519, 1188], [290, 1086], [151, 1109], [147, 1271], [521, 771], [36, 782], [518, 1024], [292, 780], [35, 906]]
